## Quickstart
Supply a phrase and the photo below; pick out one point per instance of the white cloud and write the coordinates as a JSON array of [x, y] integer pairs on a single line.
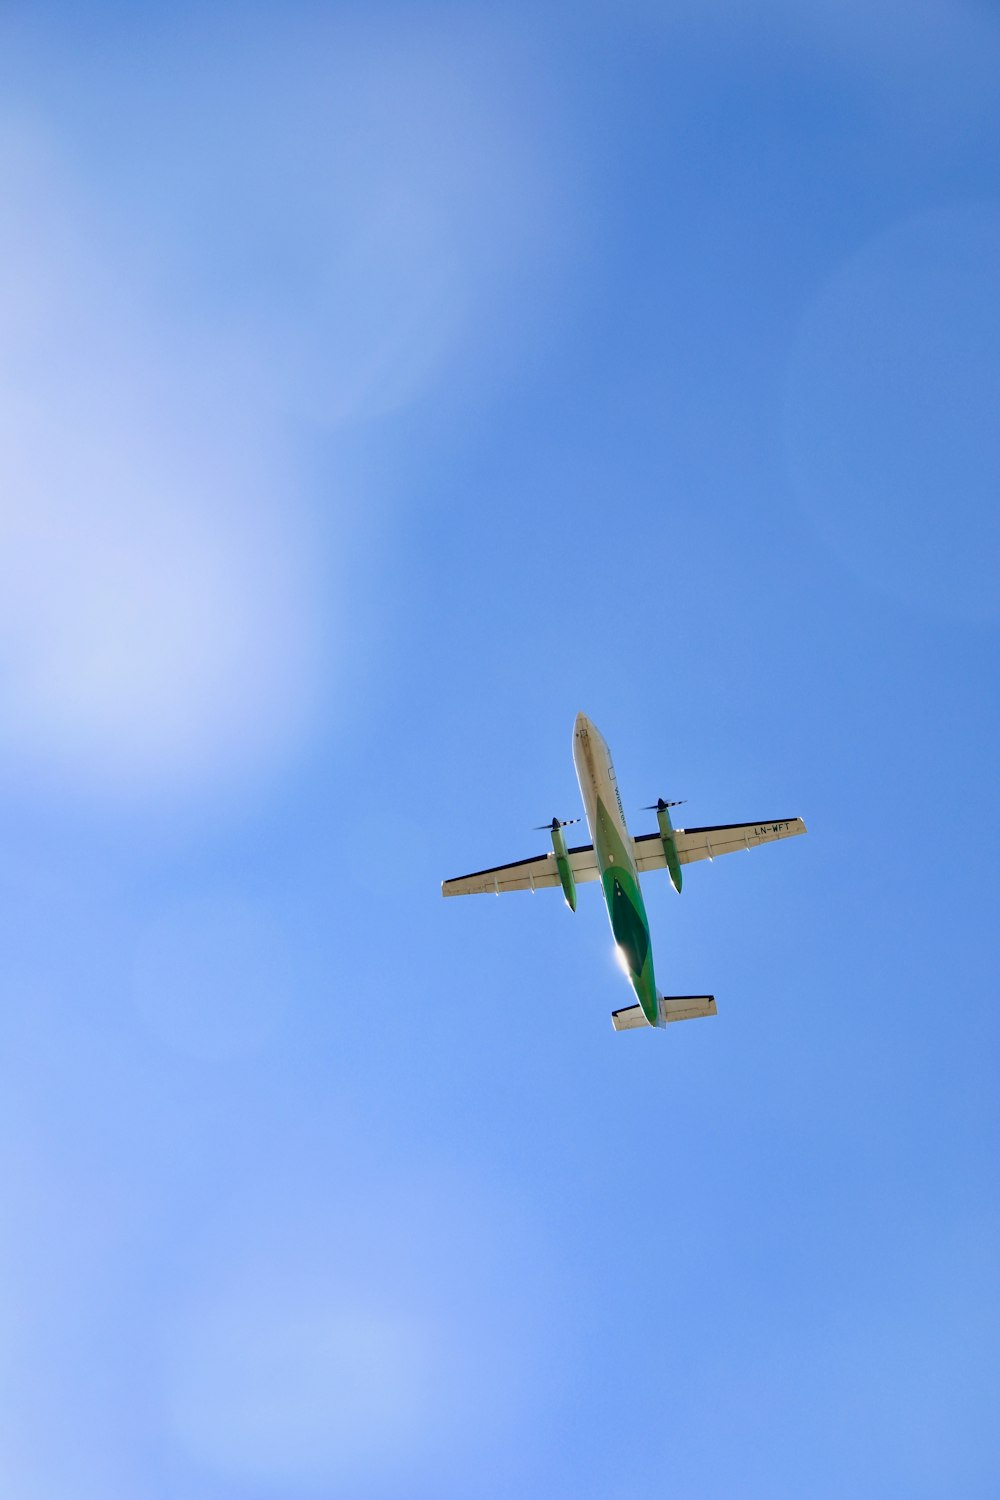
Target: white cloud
[[306, 232], [347, 199], [159, 610]]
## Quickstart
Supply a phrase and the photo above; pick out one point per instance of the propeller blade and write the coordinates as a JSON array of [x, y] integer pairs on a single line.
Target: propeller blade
[[556, 823], [659, 805]]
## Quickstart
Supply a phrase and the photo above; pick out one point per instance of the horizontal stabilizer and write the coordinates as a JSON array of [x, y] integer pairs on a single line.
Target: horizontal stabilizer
[[672, 1008], [686, 1007], [627, 1019]]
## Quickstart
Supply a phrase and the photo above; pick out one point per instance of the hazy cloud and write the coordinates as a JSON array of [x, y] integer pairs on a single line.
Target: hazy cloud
[[159, 607], [305, 235]]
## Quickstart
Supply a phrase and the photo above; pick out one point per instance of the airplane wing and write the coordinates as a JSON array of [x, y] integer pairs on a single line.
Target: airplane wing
[[706, 843], [524, 874]]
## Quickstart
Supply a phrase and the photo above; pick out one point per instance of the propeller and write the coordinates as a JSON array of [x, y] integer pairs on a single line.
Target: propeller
[[659, 805], [556, 823]]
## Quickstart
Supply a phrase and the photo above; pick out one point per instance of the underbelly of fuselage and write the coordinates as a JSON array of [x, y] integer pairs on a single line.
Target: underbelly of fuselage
[[613, 849]]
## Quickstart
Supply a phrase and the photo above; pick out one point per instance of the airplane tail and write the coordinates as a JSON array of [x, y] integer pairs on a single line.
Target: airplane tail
[[672, 1008]]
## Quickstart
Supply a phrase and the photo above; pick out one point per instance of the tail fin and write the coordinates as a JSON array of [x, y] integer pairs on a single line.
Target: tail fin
[[672, 1008]]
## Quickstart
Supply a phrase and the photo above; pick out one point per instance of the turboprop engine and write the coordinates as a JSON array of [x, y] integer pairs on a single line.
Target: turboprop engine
[[561, 853], [662, 811]]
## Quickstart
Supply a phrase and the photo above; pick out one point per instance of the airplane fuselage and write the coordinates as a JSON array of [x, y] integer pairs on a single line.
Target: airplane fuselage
[[613, 847]]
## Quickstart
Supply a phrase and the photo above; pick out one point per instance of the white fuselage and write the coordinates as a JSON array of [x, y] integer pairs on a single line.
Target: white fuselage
[[613, 850], [595, 772]]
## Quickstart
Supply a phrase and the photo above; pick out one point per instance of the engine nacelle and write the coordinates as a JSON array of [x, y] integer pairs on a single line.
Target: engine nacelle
[[669, 847], [563, 865]]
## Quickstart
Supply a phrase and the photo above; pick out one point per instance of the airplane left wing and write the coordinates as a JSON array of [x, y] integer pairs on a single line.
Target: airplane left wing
[[706, 843], [523, 875]]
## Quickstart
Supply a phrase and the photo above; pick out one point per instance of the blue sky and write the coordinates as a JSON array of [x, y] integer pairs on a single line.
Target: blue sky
[[380, 386]]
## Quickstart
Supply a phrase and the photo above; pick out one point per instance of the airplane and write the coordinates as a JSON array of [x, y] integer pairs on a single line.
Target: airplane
[[617, 860]]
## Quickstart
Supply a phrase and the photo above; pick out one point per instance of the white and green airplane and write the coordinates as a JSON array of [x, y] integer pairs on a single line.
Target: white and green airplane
[[616, 859]]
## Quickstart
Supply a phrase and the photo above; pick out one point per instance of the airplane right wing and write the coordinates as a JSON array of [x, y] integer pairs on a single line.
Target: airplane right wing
[[706, 843], [524, 874]]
